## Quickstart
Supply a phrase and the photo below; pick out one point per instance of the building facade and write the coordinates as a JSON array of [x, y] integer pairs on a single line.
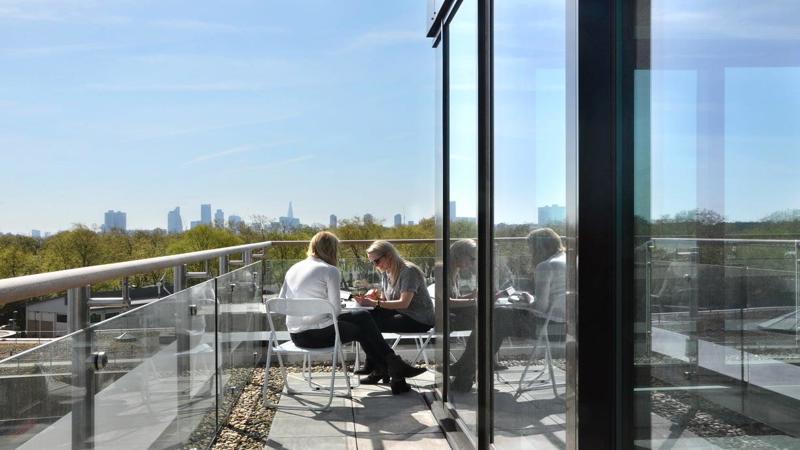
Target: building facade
[[662, 128], [205, 214], [174, 221], [115, 220]]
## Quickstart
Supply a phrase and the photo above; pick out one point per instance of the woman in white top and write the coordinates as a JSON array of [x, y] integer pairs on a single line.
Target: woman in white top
[[549, 271], [318, 277]]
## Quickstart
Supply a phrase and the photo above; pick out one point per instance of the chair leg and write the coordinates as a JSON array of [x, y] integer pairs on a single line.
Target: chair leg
[[346, 376], [549, 358]]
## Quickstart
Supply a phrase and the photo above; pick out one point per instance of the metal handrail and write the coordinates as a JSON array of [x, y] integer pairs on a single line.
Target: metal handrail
[[19, 288]]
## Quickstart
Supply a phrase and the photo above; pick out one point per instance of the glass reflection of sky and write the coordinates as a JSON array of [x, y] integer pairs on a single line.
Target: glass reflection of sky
[[747, 52]]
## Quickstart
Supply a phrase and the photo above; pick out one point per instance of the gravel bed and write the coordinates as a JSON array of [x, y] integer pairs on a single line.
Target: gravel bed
[[249, 422], [707, 420]]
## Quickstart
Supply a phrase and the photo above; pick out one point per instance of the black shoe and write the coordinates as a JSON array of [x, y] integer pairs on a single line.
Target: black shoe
[[377, 376], [462, 383], [366, 369], [399, 386], [401, 369]]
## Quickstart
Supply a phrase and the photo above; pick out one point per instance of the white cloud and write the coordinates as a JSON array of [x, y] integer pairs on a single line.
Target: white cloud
[[208, 27], [373, 39], [222, 86], [233, 151]]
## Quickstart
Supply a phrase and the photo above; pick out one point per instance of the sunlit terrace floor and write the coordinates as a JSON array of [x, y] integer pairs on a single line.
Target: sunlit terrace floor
[[374, 418]]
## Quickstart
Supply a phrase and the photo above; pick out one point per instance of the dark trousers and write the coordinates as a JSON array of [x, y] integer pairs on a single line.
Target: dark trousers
[[508, 322], [391, 321], [353, 326]]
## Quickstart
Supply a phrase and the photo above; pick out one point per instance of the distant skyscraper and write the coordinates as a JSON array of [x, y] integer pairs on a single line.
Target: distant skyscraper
[[205, 214], [410, 223], [219, 218], [553, 214], [234, 220], [174, 222], [398, 220], [368, 218], [289, 222], [453, 211], [36, 234], [334, 221], [115, 220], [194, 224]]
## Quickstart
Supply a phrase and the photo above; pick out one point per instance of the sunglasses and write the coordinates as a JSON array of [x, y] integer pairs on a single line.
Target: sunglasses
[[376, 260]]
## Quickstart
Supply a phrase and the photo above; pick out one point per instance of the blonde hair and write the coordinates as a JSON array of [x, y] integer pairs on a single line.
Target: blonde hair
[[325, 246], [463, 249], [385, 249], [544, 243]]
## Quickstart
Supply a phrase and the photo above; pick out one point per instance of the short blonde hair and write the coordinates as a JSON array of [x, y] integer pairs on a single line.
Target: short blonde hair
[[544, 243], [463, 249], [325, 246]]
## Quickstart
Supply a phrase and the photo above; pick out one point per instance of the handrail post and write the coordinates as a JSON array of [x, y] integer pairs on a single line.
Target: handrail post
[[179, 278], [223, 264], [82, 372], [126, 292], [182, 323], [247, 257], [796, 292]]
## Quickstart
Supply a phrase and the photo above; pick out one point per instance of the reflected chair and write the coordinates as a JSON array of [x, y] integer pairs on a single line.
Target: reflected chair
[[539, 380], [302, 307]]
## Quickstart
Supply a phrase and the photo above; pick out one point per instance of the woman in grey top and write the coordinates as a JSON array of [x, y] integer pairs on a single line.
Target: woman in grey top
[[404, 306]]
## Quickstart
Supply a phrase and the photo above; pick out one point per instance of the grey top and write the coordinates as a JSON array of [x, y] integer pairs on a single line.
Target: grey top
[[410, 280]]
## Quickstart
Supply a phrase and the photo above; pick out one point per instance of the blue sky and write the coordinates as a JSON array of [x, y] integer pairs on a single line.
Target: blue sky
[[142, 106], [147, 105]]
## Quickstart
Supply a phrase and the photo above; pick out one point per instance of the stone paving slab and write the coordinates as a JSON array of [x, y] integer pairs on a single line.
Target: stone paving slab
[[372, 419]]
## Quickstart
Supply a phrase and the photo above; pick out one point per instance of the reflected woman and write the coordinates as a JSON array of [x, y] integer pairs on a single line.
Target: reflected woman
[[549, 272]]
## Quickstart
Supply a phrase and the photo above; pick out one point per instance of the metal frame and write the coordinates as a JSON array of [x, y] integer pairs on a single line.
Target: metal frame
[[19, 288], [485, 222]]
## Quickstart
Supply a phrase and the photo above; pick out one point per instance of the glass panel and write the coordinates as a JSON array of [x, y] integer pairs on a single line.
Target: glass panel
[[716, 102], [37, 392], [462, 40], [157, 389], [161, 367], [439, 206], [241, 321], [530, 211]]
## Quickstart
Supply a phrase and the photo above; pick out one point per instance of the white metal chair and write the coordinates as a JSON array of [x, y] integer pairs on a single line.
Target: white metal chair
[[537, 382], [302, 307], [421, 340]]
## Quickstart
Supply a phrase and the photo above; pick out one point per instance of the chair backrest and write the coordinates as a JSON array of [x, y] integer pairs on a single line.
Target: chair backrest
[[299, 307]]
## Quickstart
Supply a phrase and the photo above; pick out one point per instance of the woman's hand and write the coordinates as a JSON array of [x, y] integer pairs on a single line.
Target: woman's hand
[[366, 301], [373, 294]]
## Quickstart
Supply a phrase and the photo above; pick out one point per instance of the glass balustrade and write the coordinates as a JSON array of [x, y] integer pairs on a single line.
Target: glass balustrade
[[167, 373]]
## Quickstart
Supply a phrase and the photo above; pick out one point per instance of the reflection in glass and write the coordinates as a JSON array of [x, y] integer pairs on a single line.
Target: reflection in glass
[[529, 323], [463, 189], [717, 144]]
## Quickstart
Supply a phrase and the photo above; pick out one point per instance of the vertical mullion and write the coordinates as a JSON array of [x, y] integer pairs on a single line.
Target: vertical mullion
[[485, 222], [445, 212], [599, 208]]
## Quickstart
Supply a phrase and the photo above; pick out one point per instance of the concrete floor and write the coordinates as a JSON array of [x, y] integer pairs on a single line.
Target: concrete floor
[[372, 419]]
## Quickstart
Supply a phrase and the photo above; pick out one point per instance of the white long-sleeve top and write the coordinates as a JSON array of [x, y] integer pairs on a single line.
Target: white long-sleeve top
[[551, 287], [311, 278]]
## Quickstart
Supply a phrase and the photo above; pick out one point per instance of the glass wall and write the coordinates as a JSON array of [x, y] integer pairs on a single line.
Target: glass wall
[[716, 99], [462, 45], [530, 215]]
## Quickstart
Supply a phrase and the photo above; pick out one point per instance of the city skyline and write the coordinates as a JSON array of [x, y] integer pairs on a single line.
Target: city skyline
[[176, 105]]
